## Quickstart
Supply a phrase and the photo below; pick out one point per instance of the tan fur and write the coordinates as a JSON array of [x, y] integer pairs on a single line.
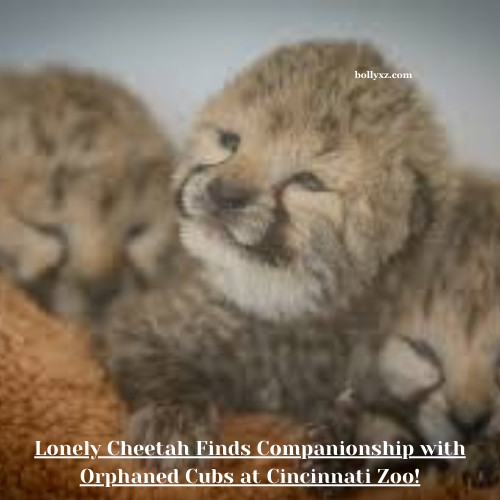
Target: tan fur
[[432, 357], [283, 247], [300, 110], [83, 172], [384, 237]]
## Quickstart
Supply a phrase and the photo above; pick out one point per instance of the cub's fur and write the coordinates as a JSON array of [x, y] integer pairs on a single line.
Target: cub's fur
[[315, 198], [83, 172], [429, 367], [302, 185], [309, 192], [183, 357]]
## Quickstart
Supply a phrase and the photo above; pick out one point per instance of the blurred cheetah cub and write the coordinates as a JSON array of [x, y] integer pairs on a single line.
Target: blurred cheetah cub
[[429, 367], [83, 170], [302, 184]]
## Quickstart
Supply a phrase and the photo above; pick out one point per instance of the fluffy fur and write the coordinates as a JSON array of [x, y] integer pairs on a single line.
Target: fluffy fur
[[294, 220], [184, 358], [83, 170], [303, 182], [321, 195], [429, 367]]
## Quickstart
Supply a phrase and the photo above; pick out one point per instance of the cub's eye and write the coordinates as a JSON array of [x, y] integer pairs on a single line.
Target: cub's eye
[[309, 181], [136, 230], [229, 140]]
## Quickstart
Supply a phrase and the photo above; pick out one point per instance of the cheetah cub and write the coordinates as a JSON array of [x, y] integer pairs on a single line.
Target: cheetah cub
[[301, 186], [83, 170], [309, 193], [429, 367], [303, 183]]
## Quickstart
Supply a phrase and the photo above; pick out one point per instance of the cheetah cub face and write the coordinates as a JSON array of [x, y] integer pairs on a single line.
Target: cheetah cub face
[[83, 174], [300, 181]]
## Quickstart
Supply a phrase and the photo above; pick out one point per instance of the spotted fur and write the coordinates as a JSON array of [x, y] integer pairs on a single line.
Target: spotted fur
[[329, 179], [301, 186], [428, 369], [83, 174], [337, 201]]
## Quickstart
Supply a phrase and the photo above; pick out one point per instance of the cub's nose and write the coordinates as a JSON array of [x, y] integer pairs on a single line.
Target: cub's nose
[[101, 291], [470, 422], [228, 194]]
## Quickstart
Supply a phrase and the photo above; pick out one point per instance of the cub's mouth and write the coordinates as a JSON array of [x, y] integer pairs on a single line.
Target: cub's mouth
[[235, 216]]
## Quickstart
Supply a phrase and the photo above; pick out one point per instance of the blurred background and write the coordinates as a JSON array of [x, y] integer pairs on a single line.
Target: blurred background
[[175, 53]]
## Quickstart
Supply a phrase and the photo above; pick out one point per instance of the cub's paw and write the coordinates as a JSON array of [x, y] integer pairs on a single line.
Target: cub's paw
[[340, 426], [481, 468], [172, 425]]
